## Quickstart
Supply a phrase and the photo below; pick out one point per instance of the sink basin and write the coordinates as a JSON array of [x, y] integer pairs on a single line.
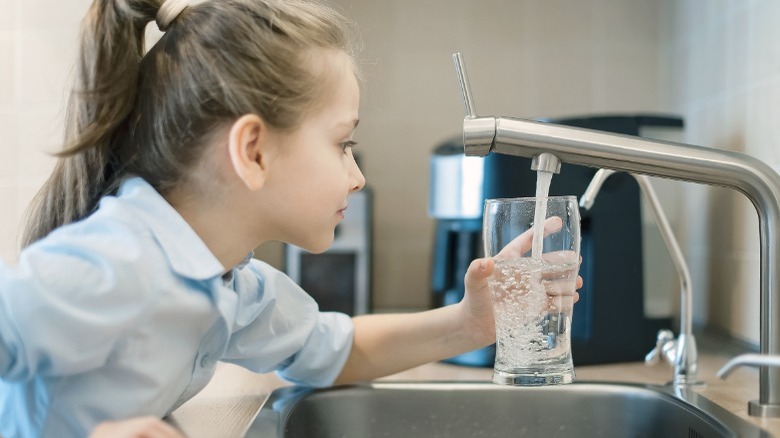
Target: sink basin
[[480, 409]]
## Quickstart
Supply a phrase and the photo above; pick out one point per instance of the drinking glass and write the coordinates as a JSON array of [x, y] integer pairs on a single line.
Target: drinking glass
[[535, 244]]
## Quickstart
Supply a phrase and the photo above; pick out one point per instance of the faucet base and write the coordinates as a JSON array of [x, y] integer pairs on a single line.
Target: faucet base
[[756, 409]]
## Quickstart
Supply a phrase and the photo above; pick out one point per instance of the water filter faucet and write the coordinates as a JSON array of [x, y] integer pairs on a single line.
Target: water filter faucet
[[746, 174], [749, 359], [681, 352]]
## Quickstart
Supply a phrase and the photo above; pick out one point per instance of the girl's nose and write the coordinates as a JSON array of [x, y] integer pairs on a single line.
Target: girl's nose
[[358, 180]]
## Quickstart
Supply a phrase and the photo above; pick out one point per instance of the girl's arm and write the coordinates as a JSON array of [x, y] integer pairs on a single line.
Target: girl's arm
[[141, 427], [386, 344]]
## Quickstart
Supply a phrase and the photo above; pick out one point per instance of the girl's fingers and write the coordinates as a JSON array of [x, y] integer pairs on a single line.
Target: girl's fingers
[[478, 271], [522, 243]]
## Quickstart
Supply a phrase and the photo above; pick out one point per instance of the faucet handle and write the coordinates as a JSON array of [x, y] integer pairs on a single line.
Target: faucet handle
[[478, 132], [664, 346], [465, 88]]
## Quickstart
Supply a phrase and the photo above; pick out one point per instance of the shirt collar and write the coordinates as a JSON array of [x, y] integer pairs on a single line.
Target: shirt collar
[[188, 255], [227, 277]]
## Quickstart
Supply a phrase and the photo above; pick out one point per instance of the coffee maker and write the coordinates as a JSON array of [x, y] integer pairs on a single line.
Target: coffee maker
[[609, 323]]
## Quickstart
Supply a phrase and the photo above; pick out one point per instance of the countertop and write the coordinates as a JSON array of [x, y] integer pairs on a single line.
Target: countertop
[[227, 406]]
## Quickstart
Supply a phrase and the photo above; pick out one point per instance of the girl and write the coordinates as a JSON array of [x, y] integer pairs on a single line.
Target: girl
[[137, 276]]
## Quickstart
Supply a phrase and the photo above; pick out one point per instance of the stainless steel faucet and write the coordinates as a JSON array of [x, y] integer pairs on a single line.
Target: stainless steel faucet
[[749, 359], [681, 352], [746, 174]]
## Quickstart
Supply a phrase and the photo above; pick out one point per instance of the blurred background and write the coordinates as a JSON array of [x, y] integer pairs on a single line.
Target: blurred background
[[715, 63]]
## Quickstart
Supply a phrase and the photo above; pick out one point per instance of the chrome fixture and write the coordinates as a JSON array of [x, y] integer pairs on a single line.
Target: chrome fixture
[[746, 174], [681, 352], [751, 359], [546, 162]]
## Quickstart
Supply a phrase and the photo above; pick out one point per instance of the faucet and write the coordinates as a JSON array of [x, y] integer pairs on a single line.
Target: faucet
[[748, 359], [680, 352], [746, 174]]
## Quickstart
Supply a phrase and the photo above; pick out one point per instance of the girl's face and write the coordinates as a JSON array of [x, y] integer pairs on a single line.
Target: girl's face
[[315, 170]]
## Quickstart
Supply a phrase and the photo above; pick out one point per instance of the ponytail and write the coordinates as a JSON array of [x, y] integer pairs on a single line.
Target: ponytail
[[103, 95]]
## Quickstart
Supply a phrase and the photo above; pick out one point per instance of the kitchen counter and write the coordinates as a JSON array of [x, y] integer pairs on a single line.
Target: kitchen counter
[[227, 406]]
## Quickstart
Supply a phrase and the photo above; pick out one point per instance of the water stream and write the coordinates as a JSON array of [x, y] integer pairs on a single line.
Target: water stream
[[540, 213]]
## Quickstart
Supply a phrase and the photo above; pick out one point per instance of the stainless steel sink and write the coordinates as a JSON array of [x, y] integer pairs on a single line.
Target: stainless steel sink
[[477, 409]]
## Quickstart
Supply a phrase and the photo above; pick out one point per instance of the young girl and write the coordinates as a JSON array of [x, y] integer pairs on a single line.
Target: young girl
[[137, 276]]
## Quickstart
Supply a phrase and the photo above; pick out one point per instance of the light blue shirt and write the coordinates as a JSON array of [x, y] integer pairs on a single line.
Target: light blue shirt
[[127, 312]]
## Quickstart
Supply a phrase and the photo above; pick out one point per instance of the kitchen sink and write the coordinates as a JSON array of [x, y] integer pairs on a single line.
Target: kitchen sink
[[480, 409]]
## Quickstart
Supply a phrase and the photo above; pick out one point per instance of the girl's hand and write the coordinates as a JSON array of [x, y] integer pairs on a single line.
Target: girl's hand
[[477, 303], [521, 246], [523, 243], [141, 427]]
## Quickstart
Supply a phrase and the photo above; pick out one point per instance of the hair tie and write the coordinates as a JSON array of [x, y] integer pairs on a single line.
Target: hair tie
[[168, 12]]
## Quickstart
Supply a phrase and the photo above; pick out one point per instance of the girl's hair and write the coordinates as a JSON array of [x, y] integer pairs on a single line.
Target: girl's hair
[[150, 114]]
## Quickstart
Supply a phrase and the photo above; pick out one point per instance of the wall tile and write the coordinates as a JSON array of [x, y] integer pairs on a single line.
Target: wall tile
[[707, 65], [739, 312], [8, 17], [676, 67], [762, 130], [47, 15], [563, 79], [680, 27], [763, 42], [8, 148], [405, 285], [736, 56], [559, 22], [615, 21], [622, 74], [40, 135], [7, 78], [8, 224], [492, 22], [734, 130], [45, 65]]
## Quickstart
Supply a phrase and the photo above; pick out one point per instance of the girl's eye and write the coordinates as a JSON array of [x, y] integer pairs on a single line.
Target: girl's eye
[[348, 144]]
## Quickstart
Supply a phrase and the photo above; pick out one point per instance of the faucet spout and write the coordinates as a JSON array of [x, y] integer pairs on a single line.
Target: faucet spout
[[746, 174], [681, 352], [546, 162]]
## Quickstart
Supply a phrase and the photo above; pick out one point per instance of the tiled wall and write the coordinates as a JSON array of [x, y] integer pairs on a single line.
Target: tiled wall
[[717, 62], [722, 71]]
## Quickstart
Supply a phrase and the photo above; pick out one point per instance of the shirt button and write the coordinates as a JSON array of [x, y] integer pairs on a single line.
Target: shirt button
[[205, 361]]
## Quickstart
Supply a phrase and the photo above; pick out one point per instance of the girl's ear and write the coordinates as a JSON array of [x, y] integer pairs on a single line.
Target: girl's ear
[[247, 146]]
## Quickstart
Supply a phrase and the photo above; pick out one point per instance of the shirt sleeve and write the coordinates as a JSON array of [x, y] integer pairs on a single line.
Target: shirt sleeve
[[64, 306], [279, 328]]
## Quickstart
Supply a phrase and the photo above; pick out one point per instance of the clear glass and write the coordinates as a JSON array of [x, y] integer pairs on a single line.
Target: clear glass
[[533, 290]]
